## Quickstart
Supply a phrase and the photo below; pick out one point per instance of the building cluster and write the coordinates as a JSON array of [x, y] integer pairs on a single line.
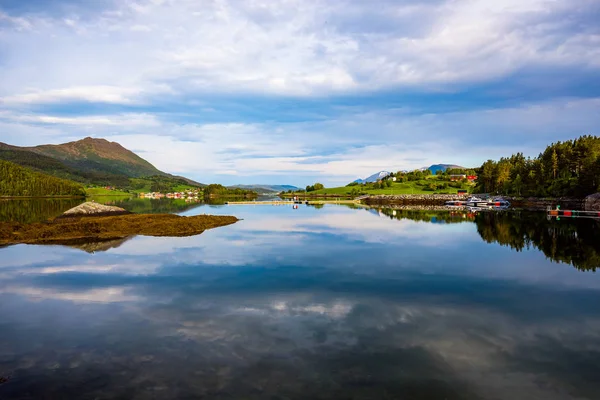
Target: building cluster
[[187, 195], [460, 177]]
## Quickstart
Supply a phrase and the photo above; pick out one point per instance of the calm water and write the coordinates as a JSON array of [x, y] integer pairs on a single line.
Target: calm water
[[314, 303]]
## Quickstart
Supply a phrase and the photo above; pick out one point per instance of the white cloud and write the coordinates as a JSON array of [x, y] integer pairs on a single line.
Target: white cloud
[[335, 151], [153, 56], [286, 47]]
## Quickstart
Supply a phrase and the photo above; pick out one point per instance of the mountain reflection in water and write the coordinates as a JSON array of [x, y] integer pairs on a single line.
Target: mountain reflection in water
[[310, 303]]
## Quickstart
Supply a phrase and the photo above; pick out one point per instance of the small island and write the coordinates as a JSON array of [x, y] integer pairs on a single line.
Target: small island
[[95, 222]]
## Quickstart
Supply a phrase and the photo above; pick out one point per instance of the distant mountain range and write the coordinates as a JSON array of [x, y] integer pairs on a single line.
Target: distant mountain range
[[261, 188], [91, 161], [433, 168], [442, 167], [374, 178]]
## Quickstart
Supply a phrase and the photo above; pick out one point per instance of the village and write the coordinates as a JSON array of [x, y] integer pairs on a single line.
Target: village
[[189, 195]]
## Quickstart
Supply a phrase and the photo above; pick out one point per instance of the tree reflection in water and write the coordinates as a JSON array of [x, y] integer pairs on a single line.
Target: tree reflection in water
[[572, 241]]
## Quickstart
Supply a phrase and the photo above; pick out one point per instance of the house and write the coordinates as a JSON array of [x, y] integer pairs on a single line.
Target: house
[[458, 177], [471, 178]]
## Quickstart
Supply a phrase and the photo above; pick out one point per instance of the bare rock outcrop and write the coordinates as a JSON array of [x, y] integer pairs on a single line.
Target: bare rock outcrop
[[592, 202], [93, 209]]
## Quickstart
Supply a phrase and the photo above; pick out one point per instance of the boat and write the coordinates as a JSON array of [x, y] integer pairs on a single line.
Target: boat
[[477, 202]]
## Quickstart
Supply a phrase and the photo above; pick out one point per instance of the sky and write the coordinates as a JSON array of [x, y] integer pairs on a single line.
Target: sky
[[300, 91]]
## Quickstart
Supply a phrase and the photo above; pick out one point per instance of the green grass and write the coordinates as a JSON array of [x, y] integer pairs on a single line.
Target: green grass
[[412, 187], [105, 192], [144, 185]]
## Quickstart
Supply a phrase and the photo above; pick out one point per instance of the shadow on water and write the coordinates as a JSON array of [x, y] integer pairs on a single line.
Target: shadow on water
[[34, 210], [569, 240]]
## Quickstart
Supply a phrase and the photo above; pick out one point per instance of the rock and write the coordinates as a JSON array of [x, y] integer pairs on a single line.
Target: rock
[[592, 202], [94, 209]]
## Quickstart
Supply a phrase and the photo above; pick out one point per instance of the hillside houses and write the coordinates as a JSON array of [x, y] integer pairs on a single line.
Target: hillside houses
[[190, 194]]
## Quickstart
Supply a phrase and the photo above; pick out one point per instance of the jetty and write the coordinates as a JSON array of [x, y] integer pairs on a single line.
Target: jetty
[[557, 212], [292, 202]]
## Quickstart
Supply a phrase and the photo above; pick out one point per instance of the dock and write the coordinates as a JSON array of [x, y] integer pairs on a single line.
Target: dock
[[290, 202], [573, 213]]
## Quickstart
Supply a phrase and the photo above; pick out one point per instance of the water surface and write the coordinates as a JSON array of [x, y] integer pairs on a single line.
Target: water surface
[[331, 302]]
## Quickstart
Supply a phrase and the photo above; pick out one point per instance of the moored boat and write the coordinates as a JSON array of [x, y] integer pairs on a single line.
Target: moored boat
[[477, 202]]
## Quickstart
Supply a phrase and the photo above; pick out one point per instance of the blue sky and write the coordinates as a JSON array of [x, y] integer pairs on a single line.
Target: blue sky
[[301, 91]]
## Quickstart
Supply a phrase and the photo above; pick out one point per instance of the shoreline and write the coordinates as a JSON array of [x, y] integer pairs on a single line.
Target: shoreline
[[533, 203], [423, 200]]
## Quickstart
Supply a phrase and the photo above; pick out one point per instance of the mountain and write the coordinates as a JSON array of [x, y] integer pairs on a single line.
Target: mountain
[[98, 155], [91, 161], [262, 188], [374, 178], [442, 167], [25, 182]]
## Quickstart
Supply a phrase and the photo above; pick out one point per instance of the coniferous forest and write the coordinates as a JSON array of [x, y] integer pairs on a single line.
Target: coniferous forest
[[19, 181], [570, 168]]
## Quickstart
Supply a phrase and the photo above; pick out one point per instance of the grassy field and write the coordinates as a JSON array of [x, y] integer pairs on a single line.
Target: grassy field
[[413, 187], [147, 184], [105, 192]]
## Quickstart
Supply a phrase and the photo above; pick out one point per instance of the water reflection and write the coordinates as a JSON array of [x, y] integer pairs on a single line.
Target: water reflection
[[39, 210], [34, 210], [569, 240], [573, 241], [308, 303]]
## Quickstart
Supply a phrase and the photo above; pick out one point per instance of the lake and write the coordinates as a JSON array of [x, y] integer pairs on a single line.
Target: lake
[[309, 303]]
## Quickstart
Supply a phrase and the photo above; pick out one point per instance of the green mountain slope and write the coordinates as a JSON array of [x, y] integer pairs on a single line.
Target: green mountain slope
[[52, 166], [98, 155], [90, 161], [16, 180]]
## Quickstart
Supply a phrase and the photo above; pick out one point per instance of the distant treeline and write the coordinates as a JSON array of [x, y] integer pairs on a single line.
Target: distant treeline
[[19, 181], [570, 168], [216, 190]]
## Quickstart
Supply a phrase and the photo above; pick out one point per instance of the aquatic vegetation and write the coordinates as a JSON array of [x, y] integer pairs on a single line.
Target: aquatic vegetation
[[79, 229]]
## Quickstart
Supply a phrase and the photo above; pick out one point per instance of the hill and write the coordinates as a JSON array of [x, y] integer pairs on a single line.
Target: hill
[[374, 178], [262, 188], [98, 155], [93, 162], [443, 167], [52, 166], [22, 181]]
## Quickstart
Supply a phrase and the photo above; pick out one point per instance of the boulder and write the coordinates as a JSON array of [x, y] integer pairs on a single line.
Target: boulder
[[592, 202], [94, 209]]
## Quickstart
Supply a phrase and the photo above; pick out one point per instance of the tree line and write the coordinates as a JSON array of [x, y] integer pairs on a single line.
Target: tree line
[[216, 190], [18, 181], [570, 168]]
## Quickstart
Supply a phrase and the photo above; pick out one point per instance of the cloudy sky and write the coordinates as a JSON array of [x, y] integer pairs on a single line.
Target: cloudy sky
[[299, 91]]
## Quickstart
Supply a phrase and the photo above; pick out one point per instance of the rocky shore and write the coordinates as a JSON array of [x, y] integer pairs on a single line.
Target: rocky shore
[[439, 200], [93, 209], [410, 199]]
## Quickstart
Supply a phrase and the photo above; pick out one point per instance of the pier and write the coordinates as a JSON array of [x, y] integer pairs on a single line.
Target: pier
[[291, 202], [573, 213]]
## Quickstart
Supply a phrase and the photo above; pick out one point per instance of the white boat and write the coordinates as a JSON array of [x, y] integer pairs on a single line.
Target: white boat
[[475, 201]]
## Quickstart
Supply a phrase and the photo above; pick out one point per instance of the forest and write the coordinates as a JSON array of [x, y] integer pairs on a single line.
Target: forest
[[19, 181], [57, 168], [215, 190], [570, 168]]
